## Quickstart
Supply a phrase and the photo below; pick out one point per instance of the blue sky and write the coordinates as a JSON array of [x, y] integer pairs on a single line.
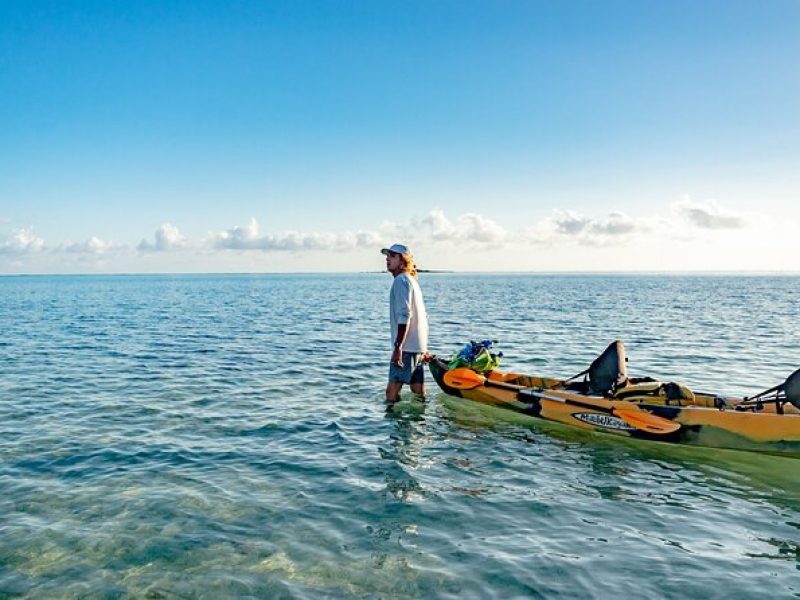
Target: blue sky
[[294, 136]]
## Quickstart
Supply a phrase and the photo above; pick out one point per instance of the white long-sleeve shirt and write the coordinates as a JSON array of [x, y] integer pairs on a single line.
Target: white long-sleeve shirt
[[407, 307]]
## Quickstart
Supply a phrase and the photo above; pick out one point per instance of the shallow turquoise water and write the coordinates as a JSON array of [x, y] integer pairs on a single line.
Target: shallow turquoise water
[[224, 436]]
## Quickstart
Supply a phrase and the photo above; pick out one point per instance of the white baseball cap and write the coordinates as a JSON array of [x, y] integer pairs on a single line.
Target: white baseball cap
[[397, 249]]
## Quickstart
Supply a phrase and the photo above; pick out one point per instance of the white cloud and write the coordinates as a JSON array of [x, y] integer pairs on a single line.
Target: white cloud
[[615, 229], [440, 228], [480, 229], [21, 241], [571, 223], [166, 238], [708, 215], [239, 238], [437, 227], [620, 229], [616, 224], [94, 245], [248, 237]]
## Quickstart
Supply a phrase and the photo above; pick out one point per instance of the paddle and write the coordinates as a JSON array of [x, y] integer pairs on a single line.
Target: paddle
[[466, 379]]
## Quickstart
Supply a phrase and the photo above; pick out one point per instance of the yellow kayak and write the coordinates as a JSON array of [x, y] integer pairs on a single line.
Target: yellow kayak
[[642, 408]]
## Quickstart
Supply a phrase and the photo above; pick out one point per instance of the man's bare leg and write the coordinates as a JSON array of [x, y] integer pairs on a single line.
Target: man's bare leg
[[393, 391]]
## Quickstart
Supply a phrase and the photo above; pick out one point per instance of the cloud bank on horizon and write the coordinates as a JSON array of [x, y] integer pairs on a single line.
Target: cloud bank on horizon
[[696, 235]]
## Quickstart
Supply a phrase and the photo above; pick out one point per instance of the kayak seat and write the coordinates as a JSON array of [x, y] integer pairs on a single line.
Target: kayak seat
[[791, 388], [608, 371]]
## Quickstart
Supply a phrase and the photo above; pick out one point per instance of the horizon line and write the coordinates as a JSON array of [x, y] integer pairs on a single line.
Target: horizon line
[[719, 272]]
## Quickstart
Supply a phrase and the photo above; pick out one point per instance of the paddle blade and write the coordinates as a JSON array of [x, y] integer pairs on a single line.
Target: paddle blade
[[647, 422], [463, 379]]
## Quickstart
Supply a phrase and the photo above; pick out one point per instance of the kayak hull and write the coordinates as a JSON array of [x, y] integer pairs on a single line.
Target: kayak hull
[[699, 425]]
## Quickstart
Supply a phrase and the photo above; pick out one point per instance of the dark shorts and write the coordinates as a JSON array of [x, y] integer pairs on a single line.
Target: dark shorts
[[411, 371]]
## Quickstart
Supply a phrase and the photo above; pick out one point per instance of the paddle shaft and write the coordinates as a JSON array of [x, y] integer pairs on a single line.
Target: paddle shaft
[[636, 418], [521, 397], [570, 401]]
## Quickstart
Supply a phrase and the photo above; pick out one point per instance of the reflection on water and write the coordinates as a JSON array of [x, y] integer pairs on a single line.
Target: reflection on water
[[407, 438]]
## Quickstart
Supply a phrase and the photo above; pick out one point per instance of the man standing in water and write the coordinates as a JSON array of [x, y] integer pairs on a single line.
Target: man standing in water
[[409, 324]]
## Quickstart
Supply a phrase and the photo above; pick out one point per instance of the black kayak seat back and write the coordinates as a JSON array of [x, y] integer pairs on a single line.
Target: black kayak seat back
[[792, 388], [608, 371]]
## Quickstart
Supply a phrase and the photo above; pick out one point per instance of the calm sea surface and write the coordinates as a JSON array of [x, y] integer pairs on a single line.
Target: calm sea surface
[[226, 436]]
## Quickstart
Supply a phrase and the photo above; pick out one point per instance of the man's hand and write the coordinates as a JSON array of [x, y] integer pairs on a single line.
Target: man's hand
[[397, 356]]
